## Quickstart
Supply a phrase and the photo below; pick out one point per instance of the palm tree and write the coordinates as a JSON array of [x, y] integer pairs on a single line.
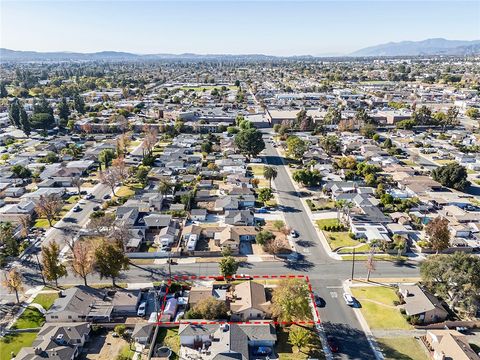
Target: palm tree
[[164, 187], [270, 173]]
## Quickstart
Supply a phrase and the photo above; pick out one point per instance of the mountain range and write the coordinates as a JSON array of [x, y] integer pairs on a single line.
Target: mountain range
[[427, 47]]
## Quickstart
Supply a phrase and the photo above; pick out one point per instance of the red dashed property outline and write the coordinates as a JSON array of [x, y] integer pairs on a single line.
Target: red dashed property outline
[[248, 277]]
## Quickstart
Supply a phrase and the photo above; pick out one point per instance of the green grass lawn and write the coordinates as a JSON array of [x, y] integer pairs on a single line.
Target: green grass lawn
[[12, 343], [326, 222], [127, 352], [257, 170], [72, 199], [379, 257], [402, 348], [43, 223], [170, 338], [378, 309], [46, 299], [125, 191], [363, 248], [339, 239], [31, 318]]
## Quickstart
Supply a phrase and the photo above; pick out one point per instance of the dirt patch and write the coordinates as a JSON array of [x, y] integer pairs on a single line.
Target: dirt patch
[[103, 347]]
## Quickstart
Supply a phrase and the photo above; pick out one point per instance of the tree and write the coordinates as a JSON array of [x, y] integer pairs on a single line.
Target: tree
[[3, 90], [14, 112], [333, 116], [422, 116], [105, 157], [42, 121], [111, 178], [299, 337], [452, 175], [290, 301], [53, 269], [14, 282], [452, 117], [331, 144], [270, 173], [63, 110], [473, 113], [49, 206], [21, 171], [263, 237], [110, 259], [208, 308], [454, 277], [141, 174], [438, 233], [265, 194], [228, 266], [362, 116], [8, 242], [164, 187], [296, 147], [303, 121], [307, 177], [25, 122], [250, 142], [370, 264], [83, 259], [79, 104], [368, 130]]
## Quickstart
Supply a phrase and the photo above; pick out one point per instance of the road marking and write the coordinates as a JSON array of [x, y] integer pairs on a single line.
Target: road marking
[[333, 294], [306, 251], [334, 287]]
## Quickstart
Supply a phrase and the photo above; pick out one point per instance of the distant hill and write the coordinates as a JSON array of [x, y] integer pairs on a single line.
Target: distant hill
[[14, 55], [424, 47]]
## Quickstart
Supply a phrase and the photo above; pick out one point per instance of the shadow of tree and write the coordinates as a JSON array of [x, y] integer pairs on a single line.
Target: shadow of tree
[[351, 341]]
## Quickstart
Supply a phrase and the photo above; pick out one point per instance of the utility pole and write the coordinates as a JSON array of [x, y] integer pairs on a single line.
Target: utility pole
[[40, 268], [353, 264]]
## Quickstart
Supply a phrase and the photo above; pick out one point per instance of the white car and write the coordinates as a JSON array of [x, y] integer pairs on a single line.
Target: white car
[[142, 309], [294, 233], [349, 299]]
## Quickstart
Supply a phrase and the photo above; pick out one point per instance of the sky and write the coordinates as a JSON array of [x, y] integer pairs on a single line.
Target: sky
[[231, 27]]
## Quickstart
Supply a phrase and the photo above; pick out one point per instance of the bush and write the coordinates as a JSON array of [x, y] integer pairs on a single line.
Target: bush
[[120, 330]]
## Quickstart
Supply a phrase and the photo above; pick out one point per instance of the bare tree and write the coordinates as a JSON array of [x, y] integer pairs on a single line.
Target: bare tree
[[121, 234], [77, 181], [102, 225], [49, 206], [25, 222], [370, 264], [14, 282], [110, 177], [83, 259], [149, 140], [120, 167]]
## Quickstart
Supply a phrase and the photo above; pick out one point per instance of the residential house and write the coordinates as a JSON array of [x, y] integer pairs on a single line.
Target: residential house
[[449, 344], [249, 302], [230, 237], [419, 302]]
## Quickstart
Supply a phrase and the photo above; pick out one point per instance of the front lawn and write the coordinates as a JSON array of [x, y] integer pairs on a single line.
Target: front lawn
[[378, 307], [12, 343], [257, 170], [362, 249], [46, 299], [43, 223], [72, 199], [402, 348], [340, 239], [127, 352], [125, 191], [30, 318], [327, 222]]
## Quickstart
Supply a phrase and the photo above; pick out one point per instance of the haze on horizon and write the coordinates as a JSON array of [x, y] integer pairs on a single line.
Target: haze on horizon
[[231, 27]]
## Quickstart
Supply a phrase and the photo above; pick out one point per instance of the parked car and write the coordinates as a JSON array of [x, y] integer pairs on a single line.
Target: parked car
[[242, 277], [77, 209], [294, 233], [89, 197], [349, 299], [142, 309], [332, 344], [319, 301], [106, 197], [262, 210], [96, 208]]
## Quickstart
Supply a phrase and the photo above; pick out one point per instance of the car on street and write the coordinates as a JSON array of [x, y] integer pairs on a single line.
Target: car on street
[[294, 233], [142, 309], [96, 208], [262, 210], [332, 344], [106, 197], [349, 299], [294, 257], [77, 209], [89, 197], [319, 302], [242, 277]]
